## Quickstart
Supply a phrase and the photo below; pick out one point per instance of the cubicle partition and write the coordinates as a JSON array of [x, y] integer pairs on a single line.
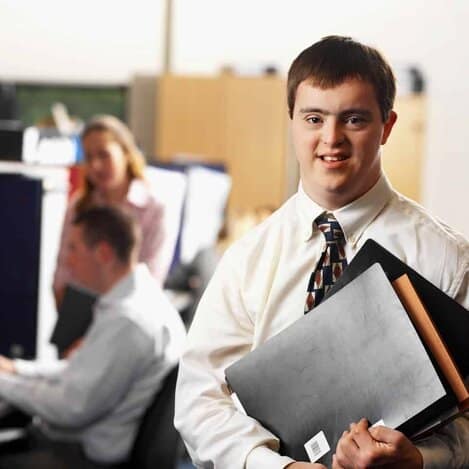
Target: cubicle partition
[[32, 206]]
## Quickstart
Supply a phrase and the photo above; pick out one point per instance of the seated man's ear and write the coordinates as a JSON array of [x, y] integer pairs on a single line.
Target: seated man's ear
[[104, 252]]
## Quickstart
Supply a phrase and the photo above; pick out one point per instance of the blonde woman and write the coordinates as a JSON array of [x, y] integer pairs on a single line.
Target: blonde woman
[[114, 175]]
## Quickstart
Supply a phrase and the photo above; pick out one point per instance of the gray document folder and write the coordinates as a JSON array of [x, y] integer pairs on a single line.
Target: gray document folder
[[355, 355], [451, 319]]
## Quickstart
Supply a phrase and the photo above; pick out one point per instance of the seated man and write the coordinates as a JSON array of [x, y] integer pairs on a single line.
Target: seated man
[[92, 403]]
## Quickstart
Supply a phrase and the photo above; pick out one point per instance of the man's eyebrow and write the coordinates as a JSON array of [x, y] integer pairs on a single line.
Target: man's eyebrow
[[361, 111], [306, 110], [345, 112]]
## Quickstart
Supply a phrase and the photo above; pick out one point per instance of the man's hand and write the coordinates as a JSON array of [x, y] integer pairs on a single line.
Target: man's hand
[[305, 465], [7, 365], [68, 352], [362, 448]]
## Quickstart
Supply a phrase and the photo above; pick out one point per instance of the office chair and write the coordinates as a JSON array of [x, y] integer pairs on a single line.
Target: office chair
[[158, 444]]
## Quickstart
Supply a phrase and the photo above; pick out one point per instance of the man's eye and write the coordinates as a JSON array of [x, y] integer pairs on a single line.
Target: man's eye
[[313, 120], [355, 120]]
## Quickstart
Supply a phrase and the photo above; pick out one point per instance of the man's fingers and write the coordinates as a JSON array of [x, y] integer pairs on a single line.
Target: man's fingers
[[361, 446], [346, 451], [335, 463], [386, 435], [360, 434], [347, 437], [369, 451]]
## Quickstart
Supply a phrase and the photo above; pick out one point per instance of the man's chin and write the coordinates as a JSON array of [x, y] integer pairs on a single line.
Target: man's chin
[[331, 196]]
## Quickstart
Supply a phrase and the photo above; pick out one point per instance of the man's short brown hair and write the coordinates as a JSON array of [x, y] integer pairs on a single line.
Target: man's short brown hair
[[112, 225], [334, 59]]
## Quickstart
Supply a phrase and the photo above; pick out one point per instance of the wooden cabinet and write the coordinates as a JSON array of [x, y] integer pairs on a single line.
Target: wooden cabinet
[[238, 121], [243, 123], [190, 118], [403, 154]]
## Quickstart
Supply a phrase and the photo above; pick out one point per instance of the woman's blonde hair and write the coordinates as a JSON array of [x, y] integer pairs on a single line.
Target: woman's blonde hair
[[123, 136]]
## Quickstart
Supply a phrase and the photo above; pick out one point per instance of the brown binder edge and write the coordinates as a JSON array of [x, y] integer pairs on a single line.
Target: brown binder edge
[[430, 335]]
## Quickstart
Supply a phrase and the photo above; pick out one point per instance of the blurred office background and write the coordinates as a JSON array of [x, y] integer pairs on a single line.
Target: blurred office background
[[201, 83], [126, 47], [202, 86]]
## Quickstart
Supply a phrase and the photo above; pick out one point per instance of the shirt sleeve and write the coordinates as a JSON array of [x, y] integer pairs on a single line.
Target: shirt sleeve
[[215, 432], [461, 284], [99, 374], [449, 447], [40, 368]]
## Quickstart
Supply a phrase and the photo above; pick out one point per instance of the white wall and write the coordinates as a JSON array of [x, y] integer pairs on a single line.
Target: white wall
[[85, 41], [108, 41]]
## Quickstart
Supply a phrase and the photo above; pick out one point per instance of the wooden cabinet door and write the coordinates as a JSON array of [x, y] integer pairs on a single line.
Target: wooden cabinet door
[[190, 118], [238, 121], [403, 153]]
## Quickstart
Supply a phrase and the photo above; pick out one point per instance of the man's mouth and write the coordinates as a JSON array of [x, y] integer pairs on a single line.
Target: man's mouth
[[332, 159]]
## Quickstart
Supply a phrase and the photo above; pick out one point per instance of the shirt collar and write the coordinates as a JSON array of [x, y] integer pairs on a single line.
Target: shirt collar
[[354, 218], [124, 287], [308, 211]]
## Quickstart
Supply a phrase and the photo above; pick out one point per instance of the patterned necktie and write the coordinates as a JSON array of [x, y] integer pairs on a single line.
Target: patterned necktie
[[332, 262]]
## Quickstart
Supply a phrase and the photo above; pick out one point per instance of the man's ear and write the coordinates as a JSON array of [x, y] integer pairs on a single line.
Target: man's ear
[[388, 125], [104, 252]]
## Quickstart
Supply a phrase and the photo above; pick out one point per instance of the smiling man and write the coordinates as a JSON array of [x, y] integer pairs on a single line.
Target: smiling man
[[337, 133], [340, 98]]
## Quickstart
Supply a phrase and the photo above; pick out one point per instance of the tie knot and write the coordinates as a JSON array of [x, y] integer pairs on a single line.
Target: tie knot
[[330, 227]]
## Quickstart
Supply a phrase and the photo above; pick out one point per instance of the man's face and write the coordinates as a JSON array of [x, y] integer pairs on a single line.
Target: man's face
[[83, 261], [337, 133]]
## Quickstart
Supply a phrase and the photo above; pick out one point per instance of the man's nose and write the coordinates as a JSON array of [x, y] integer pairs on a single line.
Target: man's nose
[[332, 133]]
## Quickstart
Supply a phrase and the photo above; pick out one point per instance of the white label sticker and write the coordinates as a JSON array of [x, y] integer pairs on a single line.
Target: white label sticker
[[317, 447], [379, 422]]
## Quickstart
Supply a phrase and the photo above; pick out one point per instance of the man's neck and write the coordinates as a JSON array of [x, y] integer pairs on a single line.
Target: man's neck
[[331, 201], [114, 276]]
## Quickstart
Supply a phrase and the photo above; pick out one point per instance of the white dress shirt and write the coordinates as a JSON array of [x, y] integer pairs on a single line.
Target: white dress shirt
[[259, 288]]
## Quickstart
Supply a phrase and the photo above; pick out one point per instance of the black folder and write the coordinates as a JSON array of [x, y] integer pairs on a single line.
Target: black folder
[[355, 355], [450, 318], [75, 316]]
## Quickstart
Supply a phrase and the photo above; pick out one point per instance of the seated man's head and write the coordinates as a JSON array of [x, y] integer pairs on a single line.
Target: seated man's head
[[340, 100], [102, 248]]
